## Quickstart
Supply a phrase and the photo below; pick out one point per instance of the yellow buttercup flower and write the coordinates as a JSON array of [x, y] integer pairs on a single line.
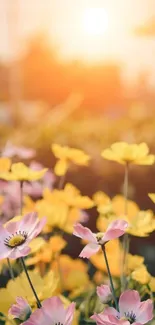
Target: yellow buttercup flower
[[152, 196], [45, 288], [20, 172], [134, 262], [67, 156], [141, 275], [62, 207], [73, 198], [5, 164], [141, 223], [125, 153], [107, 207]]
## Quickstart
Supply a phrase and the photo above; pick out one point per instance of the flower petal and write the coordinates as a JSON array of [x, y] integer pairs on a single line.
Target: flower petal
[[54, 309], [61, 167], [38, 228], [145, 313], [89, 250], [115, 229], [69, 314], [84, 233], [19, 251], [129, 301], [28, 222], [104, 293]]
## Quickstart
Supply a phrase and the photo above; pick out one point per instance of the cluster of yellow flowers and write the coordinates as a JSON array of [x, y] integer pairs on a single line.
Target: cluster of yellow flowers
[[51, 269]]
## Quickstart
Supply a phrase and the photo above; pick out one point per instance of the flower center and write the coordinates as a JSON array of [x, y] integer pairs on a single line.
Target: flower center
[[99, 236], [58, 323], [131, 316], [16, 239]]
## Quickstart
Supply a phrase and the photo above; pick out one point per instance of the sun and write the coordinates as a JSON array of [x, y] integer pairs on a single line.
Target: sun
[[95, 21]]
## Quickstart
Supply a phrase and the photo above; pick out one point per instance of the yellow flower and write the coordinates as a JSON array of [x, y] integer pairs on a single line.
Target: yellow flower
[[36, 244], [113, 250], [152, 284], [124, 153], [20, 172], [141, 223], [141, 275], [63, 207], [100, 198], [67, 156], [73, 272], [57, 243], [73, 198], [45, 288], [29, 205], [134, 262], [45, 251], [5, 164], [152, 196]]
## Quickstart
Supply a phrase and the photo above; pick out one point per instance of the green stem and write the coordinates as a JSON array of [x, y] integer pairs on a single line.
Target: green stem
[[10, 269], [30, 282], [110, 277]]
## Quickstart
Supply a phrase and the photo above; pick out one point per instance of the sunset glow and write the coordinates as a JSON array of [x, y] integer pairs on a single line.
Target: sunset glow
[[95, 21]]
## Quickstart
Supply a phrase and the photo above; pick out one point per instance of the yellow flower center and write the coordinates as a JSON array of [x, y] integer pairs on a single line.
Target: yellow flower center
[[15, 240]]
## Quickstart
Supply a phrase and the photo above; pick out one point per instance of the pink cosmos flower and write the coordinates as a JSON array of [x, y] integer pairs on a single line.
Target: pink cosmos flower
[[11, 150], [130, 308], [115, 229], [52, 313], [16, 236], [21, 309], [104, 293]]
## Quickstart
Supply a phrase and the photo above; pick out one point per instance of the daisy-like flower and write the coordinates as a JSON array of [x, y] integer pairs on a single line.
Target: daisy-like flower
[[21, 309], [131, 311], [104, 293], [115, 229], [16, 236], [20, 172], [52, 313], [125, 153], [66, 156]]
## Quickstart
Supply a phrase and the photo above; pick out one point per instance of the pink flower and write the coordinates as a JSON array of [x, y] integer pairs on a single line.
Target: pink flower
[[21, 309], [16, 236], [11, 150], [115, 229], [130, 308], [52, 312], [104, 293]]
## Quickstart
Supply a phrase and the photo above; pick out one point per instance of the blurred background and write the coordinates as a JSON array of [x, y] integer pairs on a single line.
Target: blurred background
[[81, 73]]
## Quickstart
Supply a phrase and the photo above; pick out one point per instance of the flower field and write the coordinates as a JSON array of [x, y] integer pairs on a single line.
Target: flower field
[[57, 265]]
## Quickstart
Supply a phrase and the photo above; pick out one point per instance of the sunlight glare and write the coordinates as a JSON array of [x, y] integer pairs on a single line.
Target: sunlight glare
[[95, 21]]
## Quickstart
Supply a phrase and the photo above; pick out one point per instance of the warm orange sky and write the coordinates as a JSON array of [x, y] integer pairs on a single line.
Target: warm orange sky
[[63, 20]]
